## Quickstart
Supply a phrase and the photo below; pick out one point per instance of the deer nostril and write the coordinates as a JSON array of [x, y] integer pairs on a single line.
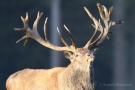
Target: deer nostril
[[88, 54]]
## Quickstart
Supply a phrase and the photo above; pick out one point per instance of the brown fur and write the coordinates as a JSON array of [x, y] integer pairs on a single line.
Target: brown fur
[[76, 76]]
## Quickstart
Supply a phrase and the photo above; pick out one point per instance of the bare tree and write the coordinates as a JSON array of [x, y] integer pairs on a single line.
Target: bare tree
[[78, 75], [55, 22], [133, 68], [119, 67]]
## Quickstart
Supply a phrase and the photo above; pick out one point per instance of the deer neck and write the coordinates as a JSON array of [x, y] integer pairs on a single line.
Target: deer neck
[[81, 78], [78, 70], [76, 73]]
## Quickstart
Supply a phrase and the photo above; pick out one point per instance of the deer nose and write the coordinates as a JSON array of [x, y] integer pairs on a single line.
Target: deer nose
[[90, 55]]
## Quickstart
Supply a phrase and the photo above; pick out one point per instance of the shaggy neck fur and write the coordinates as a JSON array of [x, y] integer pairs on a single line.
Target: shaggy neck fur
[[79, 77]]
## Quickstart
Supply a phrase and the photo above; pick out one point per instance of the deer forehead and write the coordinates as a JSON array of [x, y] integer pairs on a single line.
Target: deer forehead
[[82, 50]]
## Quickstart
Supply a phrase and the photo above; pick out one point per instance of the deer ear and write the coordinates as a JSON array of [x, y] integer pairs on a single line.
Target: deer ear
[[68, 55]]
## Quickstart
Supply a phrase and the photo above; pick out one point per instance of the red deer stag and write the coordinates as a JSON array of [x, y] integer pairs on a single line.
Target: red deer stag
[[78, 75]]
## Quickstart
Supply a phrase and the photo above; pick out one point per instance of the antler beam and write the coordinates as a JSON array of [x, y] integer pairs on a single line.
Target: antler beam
[[33, 33]]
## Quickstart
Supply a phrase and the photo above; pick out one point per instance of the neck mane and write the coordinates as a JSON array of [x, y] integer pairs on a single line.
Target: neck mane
[[81, 77]]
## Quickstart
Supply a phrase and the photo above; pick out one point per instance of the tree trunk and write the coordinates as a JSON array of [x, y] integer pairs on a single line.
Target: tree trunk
[[119, 67], [55, 22], [133, 68]]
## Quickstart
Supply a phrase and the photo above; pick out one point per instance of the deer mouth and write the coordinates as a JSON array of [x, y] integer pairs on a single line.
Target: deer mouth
[[90, 59]]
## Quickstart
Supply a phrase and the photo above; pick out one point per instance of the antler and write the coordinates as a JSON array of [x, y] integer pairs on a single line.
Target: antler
[[106, 17], [33, 33], [92, 43]]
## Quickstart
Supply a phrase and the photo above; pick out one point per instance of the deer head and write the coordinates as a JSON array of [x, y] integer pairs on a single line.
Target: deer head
[[71, 51]]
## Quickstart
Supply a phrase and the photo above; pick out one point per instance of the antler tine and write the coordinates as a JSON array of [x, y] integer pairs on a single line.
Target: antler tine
[[58, 33], [92, 38], [24, 37], [110, 12], [94, 20], [101, 10], [45, 29], [25, 23], [25, 28], [62, 38], [106, 16], [39, 15], [71, 37]]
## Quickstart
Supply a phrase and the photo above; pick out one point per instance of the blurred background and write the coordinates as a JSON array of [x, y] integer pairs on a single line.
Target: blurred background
[[114, 64]]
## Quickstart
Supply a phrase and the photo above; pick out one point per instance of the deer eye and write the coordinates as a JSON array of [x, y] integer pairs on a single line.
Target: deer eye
[[77, 55]]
